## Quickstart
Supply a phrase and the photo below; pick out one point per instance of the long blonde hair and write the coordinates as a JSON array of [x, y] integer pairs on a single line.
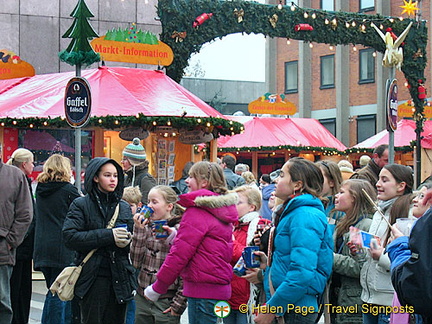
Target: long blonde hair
[[213, 173], [56, 169], [19, 156], [361, 206]]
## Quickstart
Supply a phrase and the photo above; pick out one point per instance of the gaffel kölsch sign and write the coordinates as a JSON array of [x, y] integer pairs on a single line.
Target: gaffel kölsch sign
[[77, 102]]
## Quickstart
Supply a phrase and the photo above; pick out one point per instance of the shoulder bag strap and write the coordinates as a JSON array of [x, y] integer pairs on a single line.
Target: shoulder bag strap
[[114, 218], [110, 225]]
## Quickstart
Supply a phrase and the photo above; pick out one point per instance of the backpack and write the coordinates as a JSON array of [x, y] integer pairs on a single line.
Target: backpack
[[412, 280]]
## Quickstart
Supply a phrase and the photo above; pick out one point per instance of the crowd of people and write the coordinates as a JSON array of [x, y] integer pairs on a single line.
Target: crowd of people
[[326, 239]]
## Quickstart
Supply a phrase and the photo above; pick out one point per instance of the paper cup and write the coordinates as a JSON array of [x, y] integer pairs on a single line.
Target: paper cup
[[250, 259], [159, 231]]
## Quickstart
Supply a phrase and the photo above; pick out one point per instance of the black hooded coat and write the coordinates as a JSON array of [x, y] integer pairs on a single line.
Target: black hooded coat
[[85, 229]]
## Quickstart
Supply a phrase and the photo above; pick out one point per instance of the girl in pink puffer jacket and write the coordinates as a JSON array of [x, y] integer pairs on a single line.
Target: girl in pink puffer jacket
[[202, 250]]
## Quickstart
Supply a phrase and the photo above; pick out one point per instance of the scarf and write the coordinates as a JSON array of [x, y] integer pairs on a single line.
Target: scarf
[[252, 218]]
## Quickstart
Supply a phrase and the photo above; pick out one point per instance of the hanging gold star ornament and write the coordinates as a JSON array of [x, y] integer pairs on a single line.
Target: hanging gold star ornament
[[179, 36], [409, 7], [239, 13], [418, 54], [273, 20]]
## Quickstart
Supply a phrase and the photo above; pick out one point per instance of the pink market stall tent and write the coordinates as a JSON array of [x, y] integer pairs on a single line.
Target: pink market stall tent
[[404, 139], [403, 136], [266, 140], [122, 98]]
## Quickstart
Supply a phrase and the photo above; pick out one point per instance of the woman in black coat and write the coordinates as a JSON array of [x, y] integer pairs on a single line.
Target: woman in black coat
[[107, 281], [54, 194]]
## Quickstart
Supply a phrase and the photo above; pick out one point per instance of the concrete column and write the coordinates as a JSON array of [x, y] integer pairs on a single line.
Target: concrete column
[[342, 93], [271, 61], [254, 165], [342, 73], [382, 73], [305, 74]]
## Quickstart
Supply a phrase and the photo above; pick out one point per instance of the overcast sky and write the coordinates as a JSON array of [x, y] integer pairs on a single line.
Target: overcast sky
[[234, 57]]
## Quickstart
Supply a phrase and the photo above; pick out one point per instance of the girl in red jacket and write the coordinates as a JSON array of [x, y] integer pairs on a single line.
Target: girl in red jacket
[[243, 292], [202, 250]]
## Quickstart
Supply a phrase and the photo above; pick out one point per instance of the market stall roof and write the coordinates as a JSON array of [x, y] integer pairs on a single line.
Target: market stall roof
[[116, 91], [10, 83], [403, 136], [270, 133], [426, 142]]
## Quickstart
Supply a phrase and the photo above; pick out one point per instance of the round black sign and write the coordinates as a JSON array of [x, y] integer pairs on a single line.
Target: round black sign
[[77, 102]]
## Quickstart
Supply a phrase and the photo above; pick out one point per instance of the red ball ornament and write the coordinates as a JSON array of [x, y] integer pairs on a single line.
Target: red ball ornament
[[303, 27], [201, 19]]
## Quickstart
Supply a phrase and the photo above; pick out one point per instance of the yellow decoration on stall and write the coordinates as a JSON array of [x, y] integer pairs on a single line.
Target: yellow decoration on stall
[[409, 7]]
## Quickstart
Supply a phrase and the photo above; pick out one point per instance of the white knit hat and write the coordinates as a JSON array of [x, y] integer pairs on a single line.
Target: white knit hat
[[364, 159]]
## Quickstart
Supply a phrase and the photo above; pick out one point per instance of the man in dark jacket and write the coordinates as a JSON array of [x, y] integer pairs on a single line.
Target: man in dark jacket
[[107, 281], [371, 171], [16, 214], [233, 180], [180, 184]]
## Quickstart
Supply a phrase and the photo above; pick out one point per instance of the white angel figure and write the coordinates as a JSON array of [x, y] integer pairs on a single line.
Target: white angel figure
[[393, 56]]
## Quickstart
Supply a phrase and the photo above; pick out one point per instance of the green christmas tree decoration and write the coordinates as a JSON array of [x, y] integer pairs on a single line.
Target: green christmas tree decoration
[[79, 50], [132, 35]]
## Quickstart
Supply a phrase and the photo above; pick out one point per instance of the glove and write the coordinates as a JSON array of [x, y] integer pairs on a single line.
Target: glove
[[150, 294], [122, 237]]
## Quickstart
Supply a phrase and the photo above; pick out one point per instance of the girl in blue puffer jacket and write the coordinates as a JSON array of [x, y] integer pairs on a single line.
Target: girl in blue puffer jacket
[[302, 246]]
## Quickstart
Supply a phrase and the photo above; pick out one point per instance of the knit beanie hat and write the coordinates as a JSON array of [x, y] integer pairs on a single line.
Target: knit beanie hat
[[135, 152]]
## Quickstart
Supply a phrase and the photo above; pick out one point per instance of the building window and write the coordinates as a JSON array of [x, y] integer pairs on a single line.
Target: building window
[[327, 5], [329, 124], [367, 5], [327, 72], [366, 127], [367, 66], [291, 77]]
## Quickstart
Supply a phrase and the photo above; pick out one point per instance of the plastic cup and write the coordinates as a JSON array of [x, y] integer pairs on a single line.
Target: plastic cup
[[405, 225], [158, 228]]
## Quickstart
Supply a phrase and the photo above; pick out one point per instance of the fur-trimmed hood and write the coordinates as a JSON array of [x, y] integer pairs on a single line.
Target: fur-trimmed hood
[[220, 206]]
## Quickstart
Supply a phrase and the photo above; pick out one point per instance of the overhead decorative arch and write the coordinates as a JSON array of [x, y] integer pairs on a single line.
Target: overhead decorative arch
[[329, 27]]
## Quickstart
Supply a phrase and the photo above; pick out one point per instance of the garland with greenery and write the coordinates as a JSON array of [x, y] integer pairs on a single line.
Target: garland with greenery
[[325, 150], [329, 27], [322, 149], [217, 126]]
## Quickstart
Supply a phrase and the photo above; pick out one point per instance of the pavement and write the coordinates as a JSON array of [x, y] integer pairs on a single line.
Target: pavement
[[38, 298]]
